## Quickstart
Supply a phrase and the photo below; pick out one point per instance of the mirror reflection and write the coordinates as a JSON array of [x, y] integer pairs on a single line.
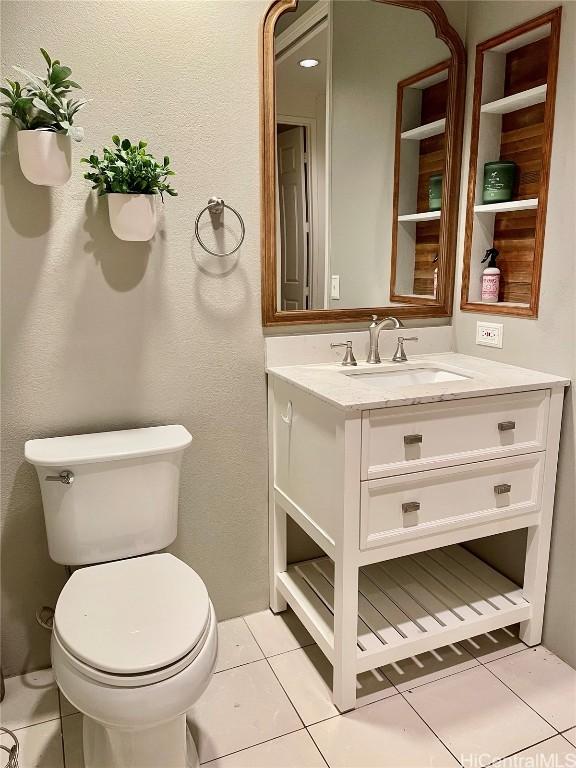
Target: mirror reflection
[[361, 89]]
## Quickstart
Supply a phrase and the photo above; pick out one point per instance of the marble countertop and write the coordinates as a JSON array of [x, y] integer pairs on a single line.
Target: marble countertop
[[342, 387]]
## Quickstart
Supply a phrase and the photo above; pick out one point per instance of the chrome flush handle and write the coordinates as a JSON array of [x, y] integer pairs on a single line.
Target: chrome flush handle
[[502, 488], [410, 506], [65, 477]]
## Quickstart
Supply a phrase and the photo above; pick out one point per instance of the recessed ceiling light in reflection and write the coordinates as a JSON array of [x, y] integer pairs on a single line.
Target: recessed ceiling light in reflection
[[307, 63]]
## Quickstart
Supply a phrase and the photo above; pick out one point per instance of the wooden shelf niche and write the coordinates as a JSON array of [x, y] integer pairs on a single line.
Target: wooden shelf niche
[[419, 154], [512, 119]]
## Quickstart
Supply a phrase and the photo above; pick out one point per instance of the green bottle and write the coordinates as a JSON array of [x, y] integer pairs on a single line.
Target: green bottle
[[499, 181], [435, 192]]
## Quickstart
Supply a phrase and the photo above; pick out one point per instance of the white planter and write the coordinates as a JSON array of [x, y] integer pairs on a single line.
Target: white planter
[[132, 217], [45, 157]]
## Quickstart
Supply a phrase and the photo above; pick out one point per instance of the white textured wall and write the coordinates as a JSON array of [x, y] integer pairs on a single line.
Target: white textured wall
[[100, 334], [548, 342]]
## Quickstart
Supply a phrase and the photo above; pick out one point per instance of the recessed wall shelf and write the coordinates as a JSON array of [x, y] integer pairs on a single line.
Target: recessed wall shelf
[[512, 120], [516, 101], [420, 153], [425, 131], [512, 205], [426, 216]]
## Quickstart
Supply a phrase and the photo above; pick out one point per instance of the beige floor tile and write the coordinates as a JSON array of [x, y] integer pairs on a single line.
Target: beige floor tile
[[72, 731], [297, 750], [478, 718], [236, 645], [570, 735], [543, 681], [306, 676], [554, 753], [40, 746], [387, 734], [242, 707], [494, 645], [30, 699], [427, 667], [278, 633]]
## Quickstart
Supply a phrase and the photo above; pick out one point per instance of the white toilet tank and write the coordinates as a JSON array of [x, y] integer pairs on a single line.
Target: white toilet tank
[[109, 495]]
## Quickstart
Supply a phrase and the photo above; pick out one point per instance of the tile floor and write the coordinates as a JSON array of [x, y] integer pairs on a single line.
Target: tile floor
[[486, 701]]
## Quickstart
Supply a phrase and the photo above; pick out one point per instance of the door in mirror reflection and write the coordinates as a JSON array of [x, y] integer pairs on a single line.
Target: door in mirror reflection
[[361, 99]]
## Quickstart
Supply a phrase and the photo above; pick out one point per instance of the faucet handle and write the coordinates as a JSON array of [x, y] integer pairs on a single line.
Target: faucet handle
[[400, 355], [349, 358]]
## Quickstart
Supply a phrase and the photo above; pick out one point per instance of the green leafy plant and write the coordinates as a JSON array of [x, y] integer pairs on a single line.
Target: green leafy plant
[[129, 169], [44, 104]]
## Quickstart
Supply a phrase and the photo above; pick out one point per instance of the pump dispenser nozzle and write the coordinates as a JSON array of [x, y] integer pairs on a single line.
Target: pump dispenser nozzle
[[492, 254]]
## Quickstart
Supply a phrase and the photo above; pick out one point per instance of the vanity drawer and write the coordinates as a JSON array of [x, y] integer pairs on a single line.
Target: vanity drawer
[[412, 505], [420, 437]]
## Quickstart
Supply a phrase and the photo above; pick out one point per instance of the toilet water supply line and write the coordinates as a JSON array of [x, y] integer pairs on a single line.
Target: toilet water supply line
[[12, 751], [44, 617]]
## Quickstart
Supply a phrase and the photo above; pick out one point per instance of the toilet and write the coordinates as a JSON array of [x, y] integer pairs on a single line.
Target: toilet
[[134, 640]]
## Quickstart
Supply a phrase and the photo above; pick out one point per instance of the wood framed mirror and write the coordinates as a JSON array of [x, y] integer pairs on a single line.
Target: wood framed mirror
[[361, 106]]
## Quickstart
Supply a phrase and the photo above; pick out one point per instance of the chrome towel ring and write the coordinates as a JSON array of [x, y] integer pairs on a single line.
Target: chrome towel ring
[[216, 206]]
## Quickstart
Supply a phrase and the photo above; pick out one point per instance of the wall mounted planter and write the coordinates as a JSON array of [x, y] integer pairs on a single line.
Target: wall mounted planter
[[45, 157], [132, 217]]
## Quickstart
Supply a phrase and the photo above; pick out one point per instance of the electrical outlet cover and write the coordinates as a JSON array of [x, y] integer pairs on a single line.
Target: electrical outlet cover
[[489, 334]]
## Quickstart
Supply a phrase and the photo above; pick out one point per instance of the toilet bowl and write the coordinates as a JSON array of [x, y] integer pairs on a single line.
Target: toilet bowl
[[133, 647], [135, 637]]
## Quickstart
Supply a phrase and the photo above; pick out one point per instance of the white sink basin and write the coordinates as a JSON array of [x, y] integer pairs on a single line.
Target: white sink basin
[[390, 379]]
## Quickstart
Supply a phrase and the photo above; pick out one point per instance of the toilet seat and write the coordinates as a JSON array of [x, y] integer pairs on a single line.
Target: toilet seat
[[133, 622], [135, 681]]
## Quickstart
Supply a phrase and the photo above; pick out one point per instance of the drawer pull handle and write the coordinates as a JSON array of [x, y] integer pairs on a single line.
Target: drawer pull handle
[[502, 488], [410, 506], [506, 426], [412, 439]]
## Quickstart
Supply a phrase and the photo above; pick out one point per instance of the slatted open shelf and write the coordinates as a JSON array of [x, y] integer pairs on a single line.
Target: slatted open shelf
[[408, 605]]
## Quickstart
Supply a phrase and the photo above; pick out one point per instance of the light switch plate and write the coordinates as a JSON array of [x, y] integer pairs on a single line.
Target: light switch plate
[[335, 287], [489, 334]]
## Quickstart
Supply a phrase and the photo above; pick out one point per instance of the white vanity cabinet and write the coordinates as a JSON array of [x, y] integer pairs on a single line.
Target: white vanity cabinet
[[391, 492]]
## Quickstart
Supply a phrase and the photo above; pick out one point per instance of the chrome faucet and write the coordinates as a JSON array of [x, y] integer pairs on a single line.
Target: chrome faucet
[[400, 354], [349, 358], [374, 330]]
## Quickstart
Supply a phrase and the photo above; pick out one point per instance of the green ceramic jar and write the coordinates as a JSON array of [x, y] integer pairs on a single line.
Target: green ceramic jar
[[499, 181], [435, 192]]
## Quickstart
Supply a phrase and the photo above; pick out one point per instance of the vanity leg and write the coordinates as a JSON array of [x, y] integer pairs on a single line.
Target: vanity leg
[[278, 563], [345, 635], [535, 575], [538, 546]]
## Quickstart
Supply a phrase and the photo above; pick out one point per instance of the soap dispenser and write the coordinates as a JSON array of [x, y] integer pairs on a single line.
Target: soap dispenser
[[490, 278]]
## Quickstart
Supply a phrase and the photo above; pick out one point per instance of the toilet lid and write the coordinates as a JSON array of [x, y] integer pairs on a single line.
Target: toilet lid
[[132, 616]]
